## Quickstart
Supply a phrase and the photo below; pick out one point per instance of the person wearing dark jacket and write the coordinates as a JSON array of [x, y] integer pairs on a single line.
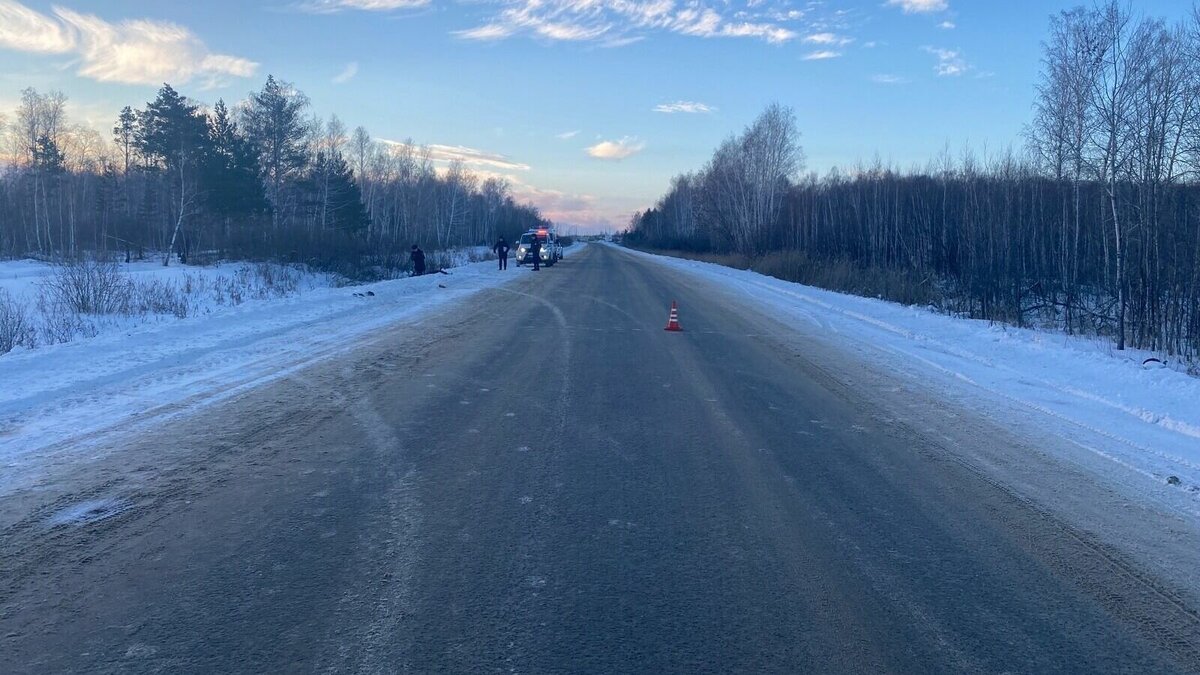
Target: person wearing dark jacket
[[501, 249], [535, 249], [418, 260]]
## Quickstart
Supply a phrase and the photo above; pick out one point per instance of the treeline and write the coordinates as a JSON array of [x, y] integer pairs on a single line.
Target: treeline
[[261, 180], [1093, 227]]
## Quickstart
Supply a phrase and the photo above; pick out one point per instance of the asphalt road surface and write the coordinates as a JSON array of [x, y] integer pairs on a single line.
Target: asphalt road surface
[[544, 481]]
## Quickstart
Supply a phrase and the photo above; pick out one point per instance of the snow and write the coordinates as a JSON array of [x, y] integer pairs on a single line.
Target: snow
[[60, 402], [201, 290], [1116, 414]]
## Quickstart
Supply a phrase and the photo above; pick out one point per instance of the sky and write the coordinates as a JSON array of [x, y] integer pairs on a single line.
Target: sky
[[587, 107]]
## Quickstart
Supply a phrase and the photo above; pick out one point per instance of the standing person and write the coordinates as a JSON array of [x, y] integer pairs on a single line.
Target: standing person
[[535, 247], [501, 249], [418, 260]]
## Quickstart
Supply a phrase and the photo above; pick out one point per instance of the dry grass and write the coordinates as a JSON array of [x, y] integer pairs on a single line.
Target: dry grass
[[835, 275]]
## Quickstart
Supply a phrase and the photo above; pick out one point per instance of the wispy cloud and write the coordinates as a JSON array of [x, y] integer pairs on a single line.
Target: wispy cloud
[[821, 55], [134, 51], [950, 62], [947, 25], [884, 78], [626, 147], [693, 107], [471, 157], [827, 39], [920, 6], [567, 135], [348, 73], [619, 22], [333, 6]]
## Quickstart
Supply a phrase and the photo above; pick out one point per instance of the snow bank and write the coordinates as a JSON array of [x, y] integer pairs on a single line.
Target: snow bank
[[1128, 418]]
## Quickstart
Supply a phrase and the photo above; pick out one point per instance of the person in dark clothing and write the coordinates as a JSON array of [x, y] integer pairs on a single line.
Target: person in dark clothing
[[418, 260], [501, 249], [535, 248]]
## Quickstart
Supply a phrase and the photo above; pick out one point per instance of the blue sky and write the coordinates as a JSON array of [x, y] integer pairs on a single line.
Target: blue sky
[[588, 106]]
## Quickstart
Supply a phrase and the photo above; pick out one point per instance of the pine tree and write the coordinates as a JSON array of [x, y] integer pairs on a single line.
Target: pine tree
[[274, 123], [124, 133], [232, 177], [172, 136], [337, 196]]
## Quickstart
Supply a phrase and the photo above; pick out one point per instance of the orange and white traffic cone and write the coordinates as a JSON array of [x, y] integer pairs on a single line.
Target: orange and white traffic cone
[[673, 321]]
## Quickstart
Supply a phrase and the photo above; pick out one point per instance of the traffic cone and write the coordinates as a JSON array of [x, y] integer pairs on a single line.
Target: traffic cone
[[673, 321]]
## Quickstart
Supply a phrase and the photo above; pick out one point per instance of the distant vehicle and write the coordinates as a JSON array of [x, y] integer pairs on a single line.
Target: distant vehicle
[[552, 250]]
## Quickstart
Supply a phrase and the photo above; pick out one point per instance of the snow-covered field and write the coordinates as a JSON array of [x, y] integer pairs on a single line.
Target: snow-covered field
[[1139, 424], [137, 293]]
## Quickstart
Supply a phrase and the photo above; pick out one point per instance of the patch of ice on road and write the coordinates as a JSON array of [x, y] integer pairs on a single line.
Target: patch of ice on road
[[526, 499], [140, 651], [523, 448], [88, 512]]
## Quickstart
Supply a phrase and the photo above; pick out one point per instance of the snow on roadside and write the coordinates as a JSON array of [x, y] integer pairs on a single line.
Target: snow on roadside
[[57, 401], [1124, 417]]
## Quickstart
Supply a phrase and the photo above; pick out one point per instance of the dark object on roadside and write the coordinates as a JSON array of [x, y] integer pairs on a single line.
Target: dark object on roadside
[[443, 272], [371, 293], [418, 260], [441, 285], [358, 295], [535, 249], [501, 250], [1154, 363], [1173, 480]]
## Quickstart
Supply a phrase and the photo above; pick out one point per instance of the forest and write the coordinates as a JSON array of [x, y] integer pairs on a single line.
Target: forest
[[261, 180], [1092, 226]]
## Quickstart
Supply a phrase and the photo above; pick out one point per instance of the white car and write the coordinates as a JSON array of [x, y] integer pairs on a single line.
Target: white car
[[552, 251]]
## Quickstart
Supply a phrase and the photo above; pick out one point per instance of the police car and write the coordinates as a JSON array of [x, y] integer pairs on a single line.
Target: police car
[[551, 253]]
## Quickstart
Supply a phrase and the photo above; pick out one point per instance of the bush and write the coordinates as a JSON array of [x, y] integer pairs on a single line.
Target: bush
[[88, 287], [16, 328], [160, 297], [842, 275]]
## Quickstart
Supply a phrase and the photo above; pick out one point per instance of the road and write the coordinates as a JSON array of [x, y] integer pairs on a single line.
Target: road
[[545, 481]]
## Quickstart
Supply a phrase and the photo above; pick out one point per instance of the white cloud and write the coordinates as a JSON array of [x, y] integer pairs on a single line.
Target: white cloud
[[919, 6], [473, 157], [479, 161], [947, 25], [889, 79], [950, 63], [694, 107], [827, 39], [135, 51], [24, 30], [619, 22], [821, 55], [626, 147], [567, 135], [347, 74], [332, 6]]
